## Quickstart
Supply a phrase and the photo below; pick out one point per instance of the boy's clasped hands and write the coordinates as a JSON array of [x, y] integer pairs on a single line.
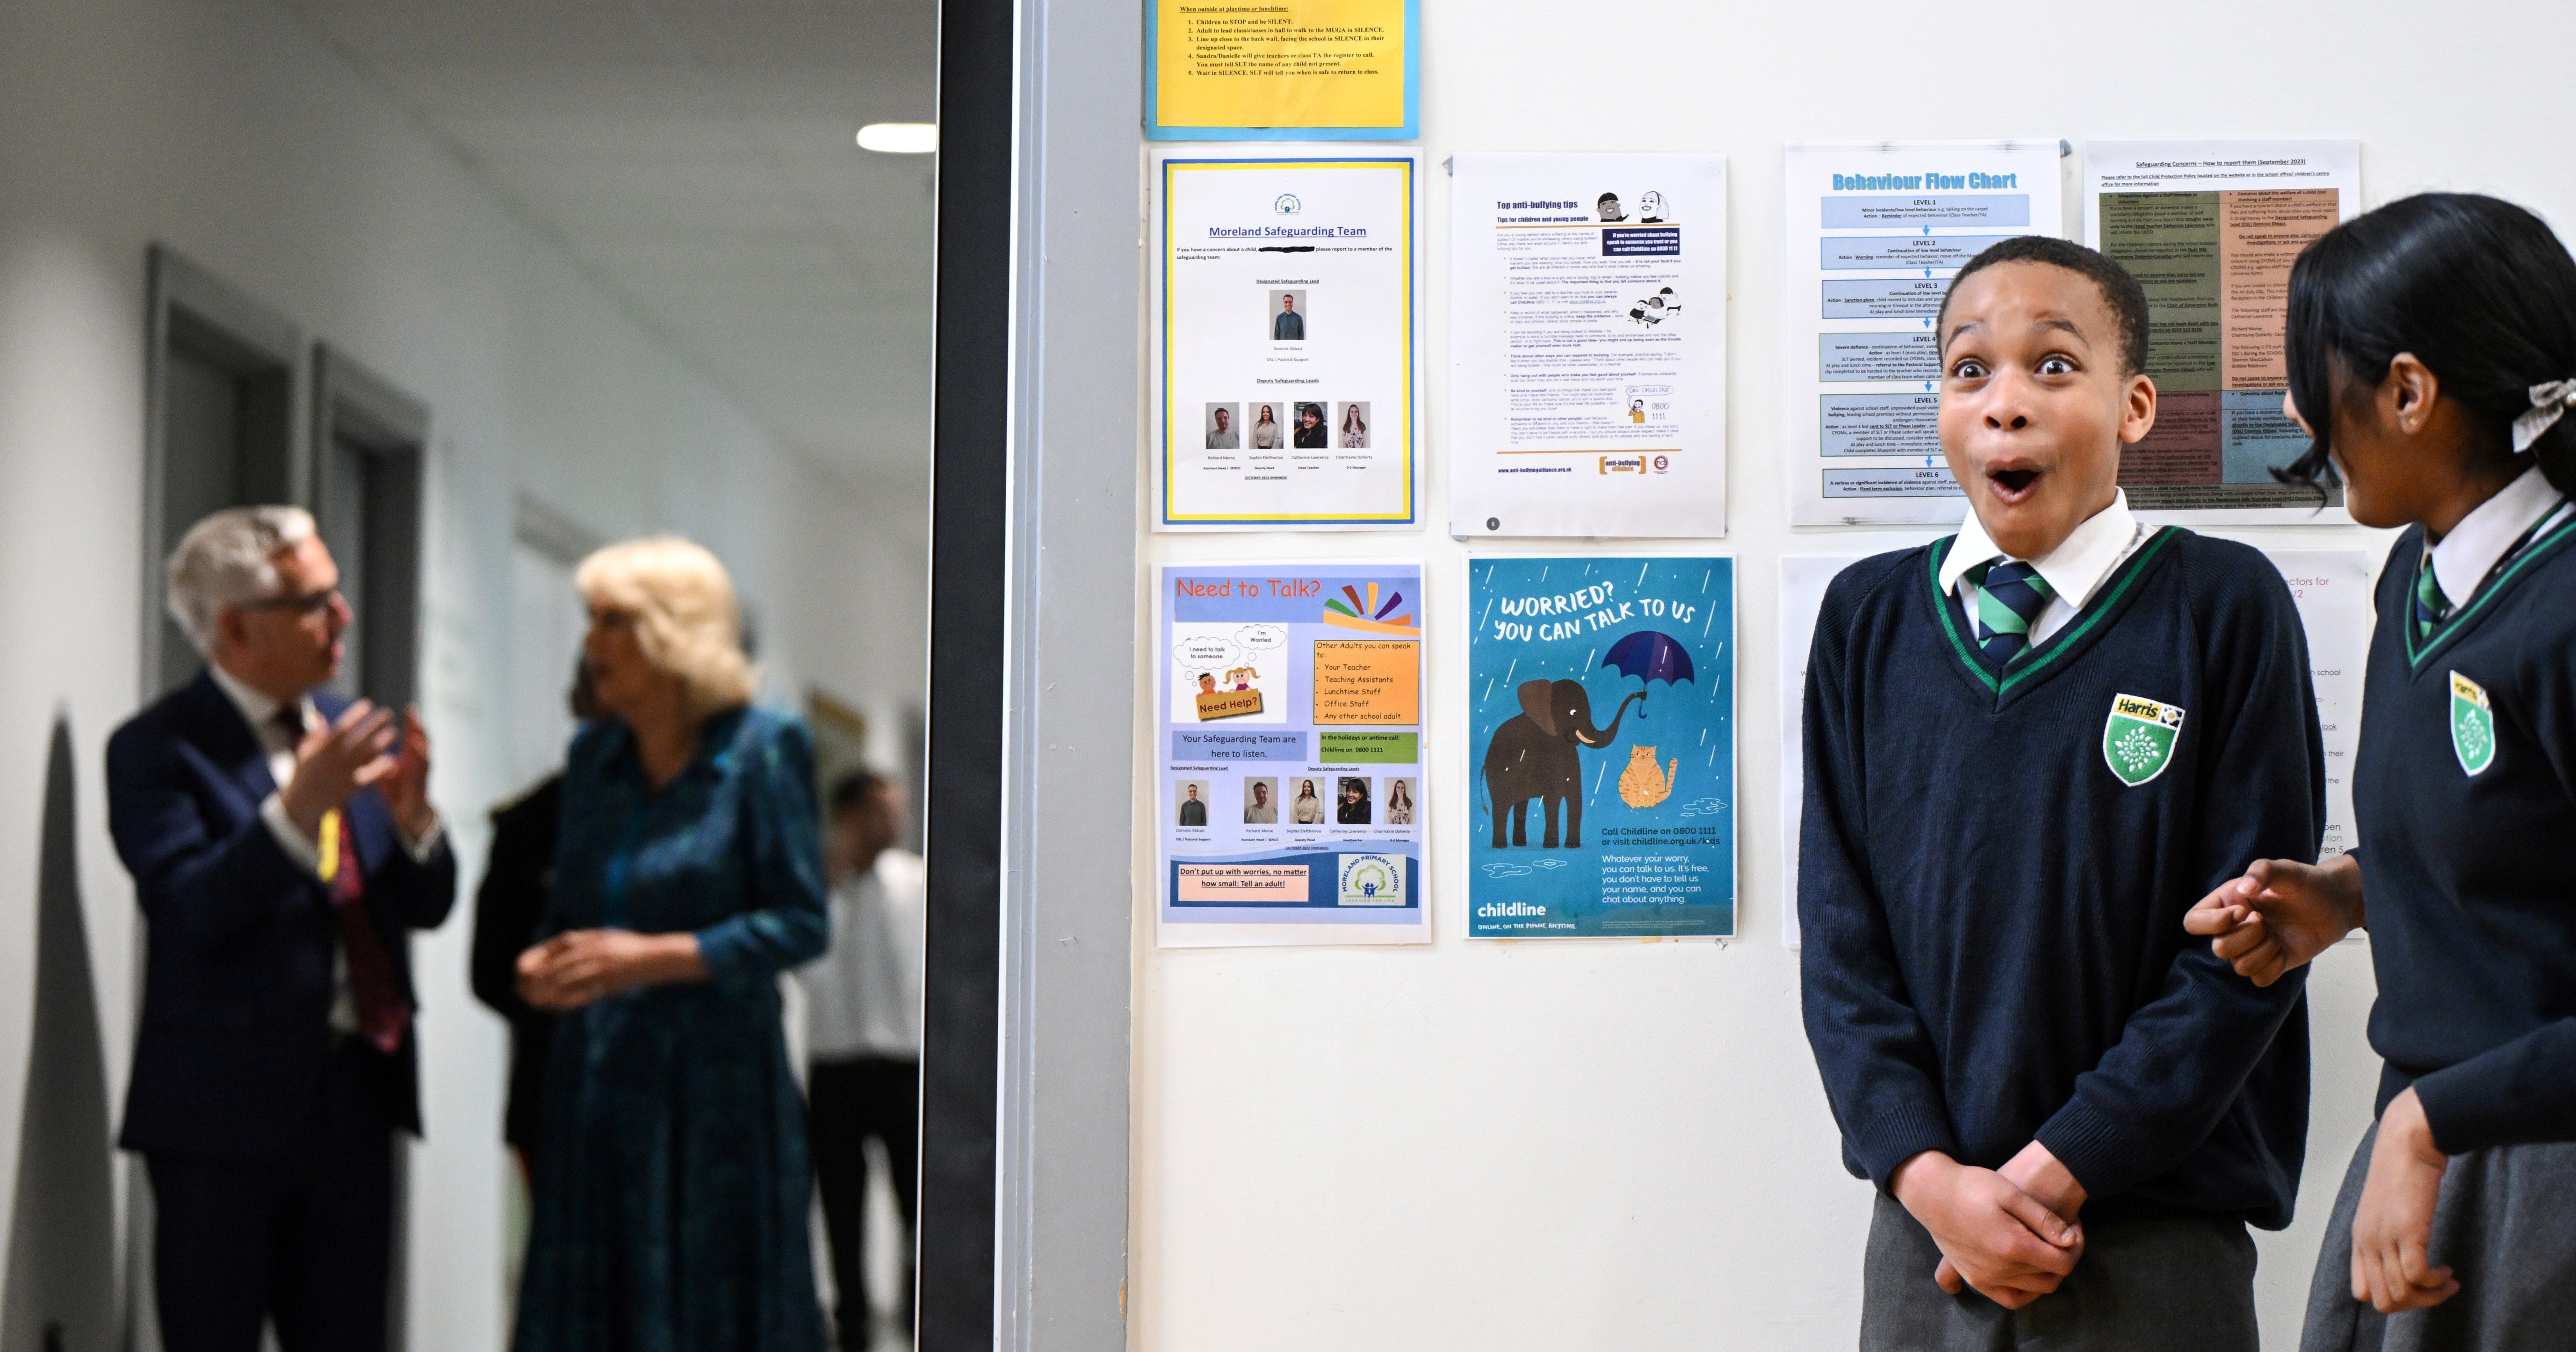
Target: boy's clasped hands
[[2010, 1233]]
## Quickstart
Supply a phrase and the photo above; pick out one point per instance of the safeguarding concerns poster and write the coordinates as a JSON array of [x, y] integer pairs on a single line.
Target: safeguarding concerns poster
[[1289, 729], [1601, 747]]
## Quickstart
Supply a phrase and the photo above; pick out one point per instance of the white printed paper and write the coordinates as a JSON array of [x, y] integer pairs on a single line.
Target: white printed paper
[[1875, 233], [1287, 311], [1587, 300], [2210, 229], [1803, 578], [2332, 588]]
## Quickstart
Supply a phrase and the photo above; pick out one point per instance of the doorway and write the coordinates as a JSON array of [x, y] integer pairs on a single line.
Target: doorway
[[221, 428], [368, 441]]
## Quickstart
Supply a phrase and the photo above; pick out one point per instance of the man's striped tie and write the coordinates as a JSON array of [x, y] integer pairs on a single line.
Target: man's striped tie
[[2010, 596]]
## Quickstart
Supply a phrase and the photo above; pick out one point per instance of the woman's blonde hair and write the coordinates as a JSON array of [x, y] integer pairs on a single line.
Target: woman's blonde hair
[[686, 619]]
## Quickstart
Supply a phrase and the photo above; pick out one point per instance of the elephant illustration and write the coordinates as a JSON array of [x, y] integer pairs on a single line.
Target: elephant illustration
[[1533, 756]]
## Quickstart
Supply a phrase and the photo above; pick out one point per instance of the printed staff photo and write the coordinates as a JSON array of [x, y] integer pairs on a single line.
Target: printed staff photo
[[1350, 431], [1354, 808], [1308, 809], [1399, 801], [1266, 434], [1192, 795], [1261, 802], [1287, 316], [1311, 434], [1222, 434]]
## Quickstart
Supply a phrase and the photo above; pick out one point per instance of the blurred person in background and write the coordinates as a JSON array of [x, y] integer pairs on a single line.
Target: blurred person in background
[[671, 1184], [518, 872], [283, 848], [863, 1008]]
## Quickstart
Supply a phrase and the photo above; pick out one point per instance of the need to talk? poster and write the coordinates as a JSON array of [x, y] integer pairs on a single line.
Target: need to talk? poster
[[1601, 747], [1289, 723]]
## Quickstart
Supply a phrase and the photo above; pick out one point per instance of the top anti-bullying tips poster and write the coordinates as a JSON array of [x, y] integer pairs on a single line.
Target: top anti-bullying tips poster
[[1601, 747], [1289, 729]]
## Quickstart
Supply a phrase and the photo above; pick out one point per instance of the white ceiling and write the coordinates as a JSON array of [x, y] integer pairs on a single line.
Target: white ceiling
[[698, 157]]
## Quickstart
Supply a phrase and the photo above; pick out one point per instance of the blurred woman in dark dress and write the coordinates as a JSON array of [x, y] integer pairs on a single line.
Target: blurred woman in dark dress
[[672, 1183]]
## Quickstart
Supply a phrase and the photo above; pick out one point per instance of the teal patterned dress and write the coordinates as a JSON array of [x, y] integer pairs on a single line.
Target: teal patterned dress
[[671, 1182]]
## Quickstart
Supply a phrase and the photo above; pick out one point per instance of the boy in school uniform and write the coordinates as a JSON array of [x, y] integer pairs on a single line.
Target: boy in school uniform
[[2030, 749]]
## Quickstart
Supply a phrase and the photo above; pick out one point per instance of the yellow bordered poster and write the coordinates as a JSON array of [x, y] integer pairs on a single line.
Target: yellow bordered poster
[[1301, 70], [1286, 372]]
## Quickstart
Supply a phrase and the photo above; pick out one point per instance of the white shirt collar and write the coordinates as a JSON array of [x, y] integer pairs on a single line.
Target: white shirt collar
[[256, 709], [2073, 570], [2462, 559]]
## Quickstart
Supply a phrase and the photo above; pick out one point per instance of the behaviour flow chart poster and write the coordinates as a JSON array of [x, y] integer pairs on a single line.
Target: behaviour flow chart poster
[[1311, 70], [2330, 586], [1601, 695], [1587, 333], [2211, 228], [1287, 303], [1875, 232], [1290, 736]]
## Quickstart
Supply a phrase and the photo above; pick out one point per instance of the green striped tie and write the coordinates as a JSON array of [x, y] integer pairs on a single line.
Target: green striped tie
[[2010, 595], [2431, 605]]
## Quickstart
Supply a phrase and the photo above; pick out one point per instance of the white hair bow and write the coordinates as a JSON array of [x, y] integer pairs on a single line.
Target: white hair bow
[[2550, 401]]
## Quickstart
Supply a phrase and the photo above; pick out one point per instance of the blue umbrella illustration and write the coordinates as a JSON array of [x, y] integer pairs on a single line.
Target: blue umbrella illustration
[[1651, 657]]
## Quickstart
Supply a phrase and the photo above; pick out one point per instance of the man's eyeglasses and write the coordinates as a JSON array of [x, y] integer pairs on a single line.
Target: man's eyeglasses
[[310, 603]]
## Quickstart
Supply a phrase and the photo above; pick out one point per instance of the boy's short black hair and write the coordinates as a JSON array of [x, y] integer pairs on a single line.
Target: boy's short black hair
[[2127, 299]]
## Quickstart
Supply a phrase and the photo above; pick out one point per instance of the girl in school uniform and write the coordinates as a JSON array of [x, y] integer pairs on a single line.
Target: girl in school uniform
[[2432, 358]]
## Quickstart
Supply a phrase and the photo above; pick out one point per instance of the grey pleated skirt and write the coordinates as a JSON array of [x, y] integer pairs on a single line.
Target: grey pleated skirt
[[2506, 1226]]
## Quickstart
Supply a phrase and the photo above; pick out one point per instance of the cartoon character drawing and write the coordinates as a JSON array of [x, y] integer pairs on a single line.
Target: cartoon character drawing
[[1242, 677], [1639, 785], [1533, 755]]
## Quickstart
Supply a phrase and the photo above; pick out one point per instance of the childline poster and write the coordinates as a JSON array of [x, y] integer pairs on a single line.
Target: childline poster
[[1601, 725], [1290, 734]]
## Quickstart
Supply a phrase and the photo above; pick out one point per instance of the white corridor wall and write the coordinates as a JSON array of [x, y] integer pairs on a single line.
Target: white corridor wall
[[226, 129], [1623, 1145]]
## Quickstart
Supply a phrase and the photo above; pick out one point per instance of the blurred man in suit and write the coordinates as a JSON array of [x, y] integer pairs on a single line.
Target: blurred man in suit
[[864, 1002], [283, 848]]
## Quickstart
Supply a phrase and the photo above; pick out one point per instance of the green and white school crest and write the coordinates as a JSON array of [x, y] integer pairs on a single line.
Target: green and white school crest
[[2138, 741], [2472, 724]]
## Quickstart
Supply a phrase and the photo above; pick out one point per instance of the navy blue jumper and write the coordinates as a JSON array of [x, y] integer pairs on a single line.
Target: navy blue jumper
[[1993, 942], [2468, 848]]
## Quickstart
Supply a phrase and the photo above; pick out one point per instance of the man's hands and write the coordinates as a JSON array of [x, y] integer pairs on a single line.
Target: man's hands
[[2281, 914], [577, 967], [2392, 1230], [1993, 1235], [335, 761], [406, 785]]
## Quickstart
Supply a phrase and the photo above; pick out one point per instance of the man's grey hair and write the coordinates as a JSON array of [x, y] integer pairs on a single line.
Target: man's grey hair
[[230, 559]]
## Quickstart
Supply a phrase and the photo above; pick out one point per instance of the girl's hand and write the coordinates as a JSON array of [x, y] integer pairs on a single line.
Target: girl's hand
[[578, 967], [2280, 915], [2392, 1230]]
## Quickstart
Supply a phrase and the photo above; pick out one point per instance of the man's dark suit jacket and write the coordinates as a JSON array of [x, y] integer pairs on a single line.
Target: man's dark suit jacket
[[517, 879], [237, 982]]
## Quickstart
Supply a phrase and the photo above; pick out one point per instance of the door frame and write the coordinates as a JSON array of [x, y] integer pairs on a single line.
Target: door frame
[[1034, 529]]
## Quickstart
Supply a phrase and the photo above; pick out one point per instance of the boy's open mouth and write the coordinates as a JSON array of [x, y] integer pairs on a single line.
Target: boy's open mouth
[[2013, 482]]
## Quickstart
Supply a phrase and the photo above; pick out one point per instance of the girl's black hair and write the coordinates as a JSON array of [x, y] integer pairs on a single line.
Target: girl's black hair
[[2477, 288]]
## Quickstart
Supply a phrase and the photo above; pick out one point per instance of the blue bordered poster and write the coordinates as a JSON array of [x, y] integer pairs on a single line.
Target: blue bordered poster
[[1601, 747], [1286, 370], [1302, 70], [1288, 736]]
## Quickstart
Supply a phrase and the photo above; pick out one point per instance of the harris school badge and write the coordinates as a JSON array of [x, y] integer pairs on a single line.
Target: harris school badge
[[2472, 724], [2138, 740]]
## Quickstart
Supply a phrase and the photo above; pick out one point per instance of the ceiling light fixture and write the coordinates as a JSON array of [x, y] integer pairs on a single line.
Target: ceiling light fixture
[[900, 138]]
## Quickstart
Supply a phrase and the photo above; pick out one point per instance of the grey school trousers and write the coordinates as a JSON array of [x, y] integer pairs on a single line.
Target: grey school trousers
[[2148, 1282], [2506, 1225]]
